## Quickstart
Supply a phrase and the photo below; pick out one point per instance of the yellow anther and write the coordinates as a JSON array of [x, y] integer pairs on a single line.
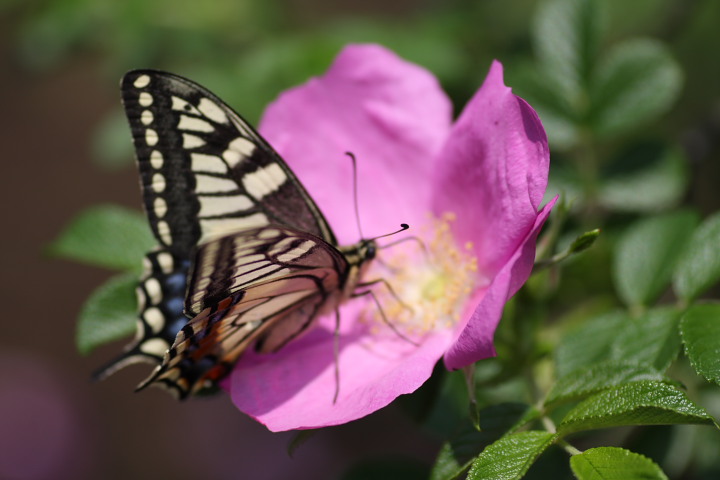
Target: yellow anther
[[435, 285]]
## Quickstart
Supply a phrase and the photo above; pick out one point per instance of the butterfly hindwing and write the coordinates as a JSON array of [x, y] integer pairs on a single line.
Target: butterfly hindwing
[[272, 283], [161, 297], [237, 261]]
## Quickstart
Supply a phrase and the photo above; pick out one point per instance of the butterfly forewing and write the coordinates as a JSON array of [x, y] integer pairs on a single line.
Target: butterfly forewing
[[204, 171]]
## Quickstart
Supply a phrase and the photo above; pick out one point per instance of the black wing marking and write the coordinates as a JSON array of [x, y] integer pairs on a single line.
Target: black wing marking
[[267, 306]]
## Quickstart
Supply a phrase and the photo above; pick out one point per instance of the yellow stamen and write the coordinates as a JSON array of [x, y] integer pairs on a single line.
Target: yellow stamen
[[432, 287]]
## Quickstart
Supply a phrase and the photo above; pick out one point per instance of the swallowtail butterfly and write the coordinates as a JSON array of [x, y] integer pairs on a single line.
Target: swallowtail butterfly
[[245, 256]]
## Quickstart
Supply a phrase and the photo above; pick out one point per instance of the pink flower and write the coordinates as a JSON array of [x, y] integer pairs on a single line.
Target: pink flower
[[470, 189]]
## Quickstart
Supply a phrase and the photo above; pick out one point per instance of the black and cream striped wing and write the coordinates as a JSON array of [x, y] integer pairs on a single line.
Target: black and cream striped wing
[[204, 172], [263, 287], [161, 298], [235, 262]]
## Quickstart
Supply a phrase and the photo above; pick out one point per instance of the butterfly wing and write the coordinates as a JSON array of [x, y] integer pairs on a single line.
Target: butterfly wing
[[161, 296], [263, 286], [205, 172]]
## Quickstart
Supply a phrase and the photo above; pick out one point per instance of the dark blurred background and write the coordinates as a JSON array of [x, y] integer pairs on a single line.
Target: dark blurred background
[[65, 147]]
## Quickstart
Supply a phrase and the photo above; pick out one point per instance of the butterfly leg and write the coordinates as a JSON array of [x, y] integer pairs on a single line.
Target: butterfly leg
[[382, 312], [336, 355], [388, 285]]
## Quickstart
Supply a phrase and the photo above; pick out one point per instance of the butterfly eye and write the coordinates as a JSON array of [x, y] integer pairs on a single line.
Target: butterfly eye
[[371, 251]]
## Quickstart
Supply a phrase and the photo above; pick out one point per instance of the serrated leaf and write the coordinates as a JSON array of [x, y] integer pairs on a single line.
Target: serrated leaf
[[455, 455], [589, 380], [700, 329], [645, 178], [638, 81], [108, 236], [652, 339], [638, 403], [108, 315], [613, 463], [510, 457], [699, 266], [565, 36], [645, 256], [590, 343]]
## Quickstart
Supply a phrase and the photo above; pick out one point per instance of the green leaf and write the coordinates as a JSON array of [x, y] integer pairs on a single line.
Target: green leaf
[[639, 403], [565, 36], [646, 254], [699, 266], [613, 463], [700, 329], [652, 339], [455, 455], [511, 456], [637, 82], [589, 380], [543, 91], [645, 178], [108, 315], [590, 343], [112, 145], [109, 236]]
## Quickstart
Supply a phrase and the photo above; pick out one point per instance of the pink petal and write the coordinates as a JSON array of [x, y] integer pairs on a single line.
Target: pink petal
[[492, 172], [390, 113], [474, 340], [294, 389]]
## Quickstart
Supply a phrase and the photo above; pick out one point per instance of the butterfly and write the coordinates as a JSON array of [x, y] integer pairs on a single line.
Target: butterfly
[[245, 258]]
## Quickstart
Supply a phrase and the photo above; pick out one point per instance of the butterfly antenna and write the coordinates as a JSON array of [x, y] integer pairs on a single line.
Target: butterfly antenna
[[403, 227], [355, 191]]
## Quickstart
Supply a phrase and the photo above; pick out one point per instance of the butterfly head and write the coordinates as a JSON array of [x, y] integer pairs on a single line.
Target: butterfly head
[[360, 254], [368, 250]]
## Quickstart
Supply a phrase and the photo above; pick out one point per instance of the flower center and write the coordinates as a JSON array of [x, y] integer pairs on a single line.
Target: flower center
[[431, 280]]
